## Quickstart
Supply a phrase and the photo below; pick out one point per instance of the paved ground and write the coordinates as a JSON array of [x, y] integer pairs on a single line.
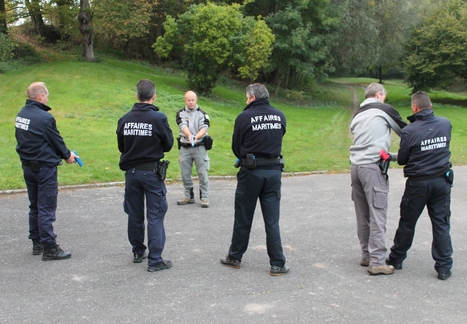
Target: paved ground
[[100, 284]]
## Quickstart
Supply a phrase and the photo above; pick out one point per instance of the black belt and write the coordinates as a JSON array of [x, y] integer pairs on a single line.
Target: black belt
[[189, 145], [428, 177], [147, 166], [263, 161]]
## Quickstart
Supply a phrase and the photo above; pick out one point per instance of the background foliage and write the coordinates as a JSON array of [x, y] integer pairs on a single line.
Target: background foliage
[[239, 43], [312, 39], [87, 99]]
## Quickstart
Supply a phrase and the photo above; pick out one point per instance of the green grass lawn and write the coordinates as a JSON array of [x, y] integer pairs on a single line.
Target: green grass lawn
[[87, 99]]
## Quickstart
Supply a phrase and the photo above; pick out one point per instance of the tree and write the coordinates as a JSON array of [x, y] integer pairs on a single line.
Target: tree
[[210, 39], [355, 47], [372, 34], [304, 31], [86, 29], [391, 22], [436, 54], [3, 26]]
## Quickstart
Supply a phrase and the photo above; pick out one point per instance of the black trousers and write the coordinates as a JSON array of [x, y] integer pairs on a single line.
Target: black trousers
[[42, 192], [435, 194], [141, 184], [265, 185]]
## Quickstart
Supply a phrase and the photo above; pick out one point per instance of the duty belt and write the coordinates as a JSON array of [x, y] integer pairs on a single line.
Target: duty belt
[[147, 166], [261, 162], [428, 177], [189, 145]]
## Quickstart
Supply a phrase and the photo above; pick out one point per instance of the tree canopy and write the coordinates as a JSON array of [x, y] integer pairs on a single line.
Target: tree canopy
[[437, 51], [210, 39]]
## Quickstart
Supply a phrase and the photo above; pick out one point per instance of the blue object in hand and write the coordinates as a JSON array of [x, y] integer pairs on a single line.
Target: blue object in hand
[[78, 160], [192, 140]]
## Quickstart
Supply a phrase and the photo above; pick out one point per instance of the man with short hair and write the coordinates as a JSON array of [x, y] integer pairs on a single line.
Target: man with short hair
[[371, 127], [257, 144], [143, 135], [424, 150], [41, 149], [193, 124]]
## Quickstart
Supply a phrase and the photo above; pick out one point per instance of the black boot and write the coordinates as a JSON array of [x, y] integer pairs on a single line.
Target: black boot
[[55, 253], [37, 247]]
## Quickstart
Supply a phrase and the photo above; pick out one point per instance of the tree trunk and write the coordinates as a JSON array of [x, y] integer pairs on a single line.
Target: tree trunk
[[85, 28], [3, 26], [34, 9], [380, 74]]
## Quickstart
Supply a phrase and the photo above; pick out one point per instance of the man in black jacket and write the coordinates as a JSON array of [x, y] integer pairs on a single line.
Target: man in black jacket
[[143, 135], [424, 150], [41, 149], [257, 144]]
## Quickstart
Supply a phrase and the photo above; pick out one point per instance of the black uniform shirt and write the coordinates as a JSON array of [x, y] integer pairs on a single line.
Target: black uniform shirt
[[143, 135], [259, 130], [37, 136], [424, 145]]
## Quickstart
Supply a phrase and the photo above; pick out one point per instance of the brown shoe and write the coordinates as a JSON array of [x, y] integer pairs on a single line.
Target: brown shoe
[[185, 201], [384, 270], [204, 203], [365, 262]]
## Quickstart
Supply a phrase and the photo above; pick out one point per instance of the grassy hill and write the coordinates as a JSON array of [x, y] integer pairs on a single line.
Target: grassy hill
[[87, 99]]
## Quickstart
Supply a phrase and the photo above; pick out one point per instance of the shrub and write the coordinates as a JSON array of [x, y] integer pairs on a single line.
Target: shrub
[[7, 45]]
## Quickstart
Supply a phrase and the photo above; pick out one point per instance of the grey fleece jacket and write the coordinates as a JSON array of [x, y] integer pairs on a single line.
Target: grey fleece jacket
[[371, 128]]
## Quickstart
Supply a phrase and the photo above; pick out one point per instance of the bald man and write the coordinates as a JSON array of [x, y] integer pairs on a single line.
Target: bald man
[[41, 149], [193, 124]]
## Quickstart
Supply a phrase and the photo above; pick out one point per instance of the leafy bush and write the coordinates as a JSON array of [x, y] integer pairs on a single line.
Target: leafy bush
[[7, 45], [27, 54]]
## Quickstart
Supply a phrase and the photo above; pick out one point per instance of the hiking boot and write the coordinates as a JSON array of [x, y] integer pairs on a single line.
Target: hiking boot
[[204, 203], [365, 262], [227, 261], [37, 247], [277, 271], [185, 201], [55, 253], [384, 270], [396, 265], [138, 258], [161, 266]]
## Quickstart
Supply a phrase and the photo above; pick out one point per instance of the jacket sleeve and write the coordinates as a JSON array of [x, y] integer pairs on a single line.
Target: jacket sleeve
[[404, 149], [55, 140], [395, 121], [180, 119], [167, 139], [204, 121], [237, 139]]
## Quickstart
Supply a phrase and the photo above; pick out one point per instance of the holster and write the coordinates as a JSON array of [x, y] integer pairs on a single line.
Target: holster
[[450, 177], [384, 166], [179, 144], [35, 166], [207, 140], [162, 169]]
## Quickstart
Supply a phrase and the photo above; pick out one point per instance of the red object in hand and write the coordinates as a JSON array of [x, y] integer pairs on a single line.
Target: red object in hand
[[384, 155]]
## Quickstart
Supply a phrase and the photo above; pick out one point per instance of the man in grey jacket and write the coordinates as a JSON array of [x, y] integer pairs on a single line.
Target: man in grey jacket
[[193, 124], [371, 127]]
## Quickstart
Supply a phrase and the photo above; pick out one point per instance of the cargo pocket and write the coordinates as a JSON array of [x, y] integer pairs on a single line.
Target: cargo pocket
[[207, 163], [52, 193], [380, 198]]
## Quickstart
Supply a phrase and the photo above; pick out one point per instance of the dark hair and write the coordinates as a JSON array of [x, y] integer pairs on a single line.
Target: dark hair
[[258, 90], [422, 100], [145, 90]]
